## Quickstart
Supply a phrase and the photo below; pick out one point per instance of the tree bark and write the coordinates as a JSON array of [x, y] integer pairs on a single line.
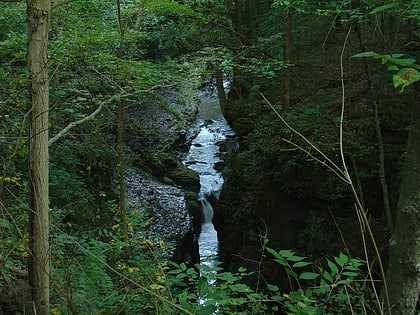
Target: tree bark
[[287, 59], [238, 90], [122, 111], [382, 173], [403, 276], [38, 15]]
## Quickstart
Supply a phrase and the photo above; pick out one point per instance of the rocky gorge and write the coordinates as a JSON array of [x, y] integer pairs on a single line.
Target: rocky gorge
[[173, 185]]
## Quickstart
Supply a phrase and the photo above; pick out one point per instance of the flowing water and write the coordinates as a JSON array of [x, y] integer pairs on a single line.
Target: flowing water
[[203, 156]]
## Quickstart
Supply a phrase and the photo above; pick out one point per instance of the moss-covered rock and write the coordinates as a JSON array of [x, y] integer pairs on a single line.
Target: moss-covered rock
[[184, 177]]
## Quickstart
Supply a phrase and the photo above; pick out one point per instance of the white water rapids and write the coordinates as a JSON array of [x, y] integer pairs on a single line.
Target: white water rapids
[[202, 158]]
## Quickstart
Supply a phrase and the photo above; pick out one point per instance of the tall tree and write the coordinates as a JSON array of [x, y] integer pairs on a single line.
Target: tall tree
[[287, 57], [38, 16], [403, 276], [239, 90], [122, 111]]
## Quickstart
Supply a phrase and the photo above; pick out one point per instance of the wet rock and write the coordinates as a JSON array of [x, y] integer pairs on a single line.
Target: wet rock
[[160, 121], [170, 217], [185, 177]]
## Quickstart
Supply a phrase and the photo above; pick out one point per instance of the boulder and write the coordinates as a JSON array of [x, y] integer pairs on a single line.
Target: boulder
[[169, 214]]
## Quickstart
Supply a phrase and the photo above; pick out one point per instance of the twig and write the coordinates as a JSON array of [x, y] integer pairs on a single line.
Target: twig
[[332, 166], [343, 103], [344, 175]]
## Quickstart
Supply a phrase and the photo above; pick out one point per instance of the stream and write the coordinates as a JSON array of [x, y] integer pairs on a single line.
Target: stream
[[204, 158]]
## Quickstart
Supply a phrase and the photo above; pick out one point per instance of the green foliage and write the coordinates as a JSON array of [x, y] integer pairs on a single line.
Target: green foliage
[[92, 63], [333, 289], [12, 27], [407, 71], [271, 155], [216, 291]]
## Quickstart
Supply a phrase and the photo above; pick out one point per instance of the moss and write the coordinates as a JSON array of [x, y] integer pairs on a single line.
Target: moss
[[194, 209], [185, 177]]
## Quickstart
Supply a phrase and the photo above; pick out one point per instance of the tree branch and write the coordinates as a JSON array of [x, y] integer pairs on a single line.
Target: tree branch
[[81, 121], [53, 4], [74, 124]]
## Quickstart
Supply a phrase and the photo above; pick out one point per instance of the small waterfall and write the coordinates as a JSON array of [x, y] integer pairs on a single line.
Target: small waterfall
[[207, 211], [202, 158]]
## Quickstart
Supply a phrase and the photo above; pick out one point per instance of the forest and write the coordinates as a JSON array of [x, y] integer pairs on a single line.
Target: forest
[[315, 180]]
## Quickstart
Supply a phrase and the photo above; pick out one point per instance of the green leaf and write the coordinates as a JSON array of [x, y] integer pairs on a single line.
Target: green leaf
[[333, 267], [401, 62], [290, 255], [384, 7], [405, 77], [202, 286], [274, 253], [365, 54], [341, 260], [239, 287], [350, 274], [300, 264], [241, 269], [308, 276], [354, 264], [286, 253], [272, 287], [296, 258]]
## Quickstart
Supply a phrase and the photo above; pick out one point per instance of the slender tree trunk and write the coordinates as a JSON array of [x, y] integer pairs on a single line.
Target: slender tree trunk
[[287, 59], [382, 174], [238, 89], [403, 276], [238, 21], [38, 14], [381, 154], [122, 112]]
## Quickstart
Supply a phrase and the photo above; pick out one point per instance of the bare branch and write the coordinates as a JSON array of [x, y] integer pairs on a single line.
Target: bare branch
[[81, 121], [332, 166], [53, 4], [74, 124]]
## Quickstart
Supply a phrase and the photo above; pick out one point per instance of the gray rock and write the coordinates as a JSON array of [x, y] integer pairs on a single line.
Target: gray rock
[[166, 205]]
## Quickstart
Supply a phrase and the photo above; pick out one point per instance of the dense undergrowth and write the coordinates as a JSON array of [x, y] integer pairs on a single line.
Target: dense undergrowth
[[166, 45]]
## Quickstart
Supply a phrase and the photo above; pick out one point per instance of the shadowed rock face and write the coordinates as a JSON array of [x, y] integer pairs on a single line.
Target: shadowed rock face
[[156, 131], [170, 218]]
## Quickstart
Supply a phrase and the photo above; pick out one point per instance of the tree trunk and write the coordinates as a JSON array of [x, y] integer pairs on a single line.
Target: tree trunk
[[382, 173], [122, 110], [403, 276], [287, 59], [38, 14], [238, 89]]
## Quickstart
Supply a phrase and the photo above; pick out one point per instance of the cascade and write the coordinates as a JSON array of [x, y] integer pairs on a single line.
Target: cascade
[[202, 158]]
